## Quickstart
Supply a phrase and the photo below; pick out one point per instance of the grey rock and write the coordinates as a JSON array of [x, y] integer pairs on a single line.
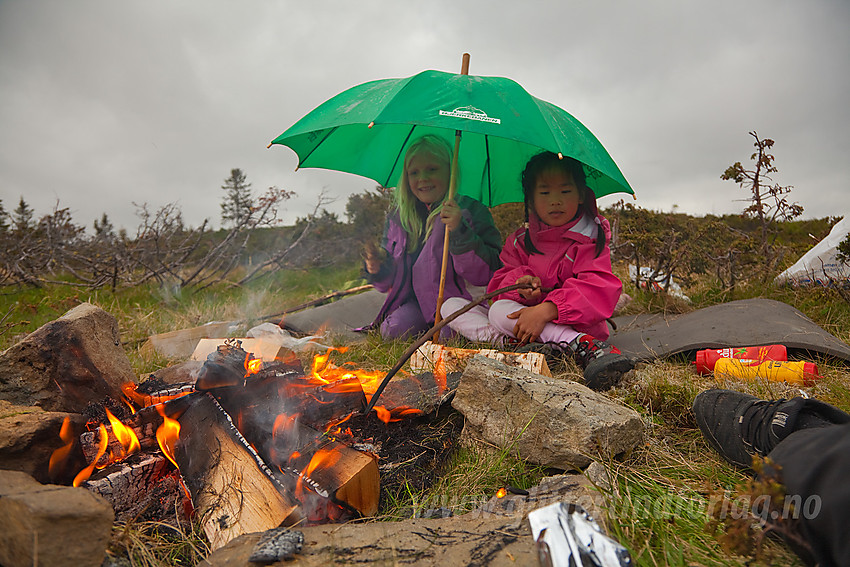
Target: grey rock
[[276, 545], [67, 363], [28, 437], [51, 525], [548, 421]]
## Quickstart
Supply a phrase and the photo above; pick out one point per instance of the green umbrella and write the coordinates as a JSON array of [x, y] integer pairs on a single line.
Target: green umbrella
[[366, 130]]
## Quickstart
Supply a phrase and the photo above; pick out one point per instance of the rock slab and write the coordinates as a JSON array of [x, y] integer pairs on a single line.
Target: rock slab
[[548, 421], [28, 437], [50, 524], [67, 363], [495, 534]]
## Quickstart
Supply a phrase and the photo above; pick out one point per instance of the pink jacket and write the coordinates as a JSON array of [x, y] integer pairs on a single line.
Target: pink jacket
[[586, 289]]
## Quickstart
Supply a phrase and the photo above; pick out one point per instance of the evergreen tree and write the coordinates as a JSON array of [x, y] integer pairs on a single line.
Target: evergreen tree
[[237, 204], [22, 216], [4, 218], [103, 228]]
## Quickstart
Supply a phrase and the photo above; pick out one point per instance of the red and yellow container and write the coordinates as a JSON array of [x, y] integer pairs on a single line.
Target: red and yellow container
[[798, 373], [706, 359]]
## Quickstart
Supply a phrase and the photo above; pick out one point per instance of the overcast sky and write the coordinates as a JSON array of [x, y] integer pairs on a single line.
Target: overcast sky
[[107, 103]]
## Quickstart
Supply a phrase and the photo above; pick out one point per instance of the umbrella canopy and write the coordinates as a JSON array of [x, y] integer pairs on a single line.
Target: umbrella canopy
[[367, 129]]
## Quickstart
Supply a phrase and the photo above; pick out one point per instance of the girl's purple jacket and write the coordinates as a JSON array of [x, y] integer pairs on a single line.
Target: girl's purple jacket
[[473, 258]]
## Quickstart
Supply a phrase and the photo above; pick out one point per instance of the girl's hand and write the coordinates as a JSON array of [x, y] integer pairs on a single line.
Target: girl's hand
[[372, 258], [450, 214], [531, 295], [531, 320]]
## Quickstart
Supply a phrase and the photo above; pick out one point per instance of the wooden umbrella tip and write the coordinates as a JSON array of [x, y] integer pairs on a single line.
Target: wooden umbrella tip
[[270, 145], [371, 124], [560, 155]]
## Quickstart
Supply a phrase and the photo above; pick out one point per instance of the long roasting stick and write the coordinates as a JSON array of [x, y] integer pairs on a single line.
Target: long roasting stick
[[433, 332], [464, 70]]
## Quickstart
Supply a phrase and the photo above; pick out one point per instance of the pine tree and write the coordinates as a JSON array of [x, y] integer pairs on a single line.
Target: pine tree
[[237, 204], [22, 216], [4, 218], [103, 228]]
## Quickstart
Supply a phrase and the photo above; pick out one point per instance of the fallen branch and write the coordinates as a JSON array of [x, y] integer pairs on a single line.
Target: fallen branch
[[318, 301]]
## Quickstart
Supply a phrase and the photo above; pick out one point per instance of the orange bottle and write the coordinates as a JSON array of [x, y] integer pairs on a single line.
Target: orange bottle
[[799, 373], [706, 359]]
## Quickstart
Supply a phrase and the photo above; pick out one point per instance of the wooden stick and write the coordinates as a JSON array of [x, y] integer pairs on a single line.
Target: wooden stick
[[464, 70], [433, 331], [317, 301]]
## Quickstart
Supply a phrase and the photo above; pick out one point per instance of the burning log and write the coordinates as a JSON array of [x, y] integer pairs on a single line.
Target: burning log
[[232, 489], [136, 485], [141, 427], [345, 474]]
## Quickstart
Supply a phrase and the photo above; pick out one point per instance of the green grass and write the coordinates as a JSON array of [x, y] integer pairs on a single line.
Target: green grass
[[660, 501], [155, 544]]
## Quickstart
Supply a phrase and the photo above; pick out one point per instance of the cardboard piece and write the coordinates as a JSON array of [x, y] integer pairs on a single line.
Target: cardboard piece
[[180, 344]]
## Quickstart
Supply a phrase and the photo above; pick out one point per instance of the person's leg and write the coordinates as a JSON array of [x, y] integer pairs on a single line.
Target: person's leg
[[405, 321], [807, 444], [812, 464], [498, 315], [552, 332], [474, 324]]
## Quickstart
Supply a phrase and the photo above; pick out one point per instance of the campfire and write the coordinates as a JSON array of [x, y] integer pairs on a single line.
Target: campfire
[[250, 445]]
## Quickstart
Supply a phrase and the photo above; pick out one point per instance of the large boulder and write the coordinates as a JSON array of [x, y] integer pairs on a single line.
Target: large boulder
[[549, 421], [67, 363], [29, 436], [51, 525]]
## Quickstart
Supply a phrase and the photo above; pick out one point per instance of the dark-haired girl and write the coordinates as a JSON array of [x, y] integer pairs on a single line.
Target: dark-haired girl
[[563, 247]]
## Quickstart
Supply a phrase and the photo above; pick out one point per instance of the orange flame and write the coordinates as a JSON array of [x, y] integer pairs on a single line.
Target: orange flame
[[66, 433], [145, 400], [440, 373], [167, 435], [252, 365], [324, 371], [323, 458], [395, 414], [125, 435], [84, 474], [501, 493], [283, 424]]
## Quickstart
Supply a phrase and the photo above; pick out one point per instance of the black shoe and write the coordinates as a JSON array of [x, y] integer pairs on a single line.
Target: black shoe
[[603, 364], [740, 426]]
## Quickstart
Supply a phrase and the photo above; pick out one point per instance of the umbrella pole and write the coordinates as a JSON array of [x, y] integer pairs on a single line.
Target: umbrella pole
[[464, 70]]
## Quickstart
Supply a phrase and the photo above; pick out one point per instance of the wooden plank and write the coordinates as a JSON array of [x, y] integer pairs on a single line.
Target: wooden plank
[[233, 491], [429, 356]]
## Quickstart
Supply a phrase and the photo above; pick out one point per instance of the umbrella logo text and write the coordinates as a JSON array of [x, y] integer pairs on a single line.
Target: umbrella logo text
[[470, 113]]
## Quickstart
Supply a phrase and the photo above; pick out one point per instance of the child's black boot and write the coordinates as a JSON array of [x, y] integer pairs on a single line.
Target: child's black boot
[[603, 364]]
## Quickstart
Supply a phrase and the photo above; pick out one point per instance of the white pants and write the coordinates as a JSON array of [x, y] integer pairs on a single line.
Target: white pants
[[474, 324], [479, 324]]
